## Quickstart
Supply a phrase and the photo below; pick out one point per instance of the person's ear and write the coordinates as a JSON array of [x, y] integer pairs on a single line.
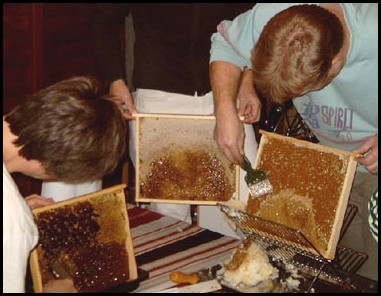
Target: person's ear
[[337, 65]]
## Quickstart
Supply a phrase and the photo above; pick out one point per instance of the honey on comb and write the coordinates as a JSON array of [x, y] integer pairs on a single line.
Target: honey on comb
[[89, 238], [307, 186], [187, 175]]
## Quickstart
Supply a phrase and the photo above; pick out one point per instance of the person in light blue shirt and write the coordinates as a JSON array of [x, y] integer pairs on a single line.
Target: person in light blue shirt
[[323, 57]]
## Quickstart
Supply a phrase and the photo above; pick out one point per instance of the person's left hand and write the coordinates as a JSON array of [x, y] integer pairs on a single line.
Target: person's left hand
[[370, 151], [37, 201], [249, 103]]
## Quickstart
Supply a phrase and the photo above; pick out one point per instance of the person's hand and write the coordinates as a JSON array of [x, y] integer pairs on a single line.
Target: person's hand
[[229, 134], [121, 95], [370, 151], [60, 286], [36, 201], [249, 103]]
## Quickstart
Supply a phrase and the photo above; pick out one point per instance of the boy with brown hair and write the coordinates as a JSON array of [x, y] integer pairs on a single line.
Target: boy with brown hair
[[67, 132]]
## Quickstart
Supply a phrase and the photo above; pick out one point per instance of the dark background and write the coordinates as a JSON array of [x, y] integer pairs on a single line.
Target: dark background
[[42, 44]]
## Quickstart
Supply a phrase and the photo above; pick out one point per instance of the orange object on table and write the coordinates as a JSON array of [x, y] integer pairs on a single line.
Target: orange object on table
[[184, 278]]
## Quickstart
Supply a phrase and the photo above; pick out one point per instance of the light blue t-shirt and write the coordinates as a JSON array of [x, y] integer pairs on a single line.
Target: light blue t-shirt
[[343, 114]]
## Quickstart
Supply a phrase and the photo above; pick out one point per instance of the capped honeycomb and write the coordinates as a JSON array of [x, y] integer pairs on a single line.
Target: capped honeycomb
[[179, 161], [90, 236], [311, 186]]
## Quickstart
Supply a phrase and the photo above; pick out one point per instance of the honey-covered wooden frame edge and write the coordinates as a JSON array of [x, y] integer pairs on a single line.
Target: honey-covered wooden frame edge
[[119, 190]]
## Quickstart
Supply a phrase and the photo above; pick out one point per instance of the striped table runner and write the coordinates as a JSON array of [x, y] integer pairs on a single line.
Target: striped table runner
[[163, 244]]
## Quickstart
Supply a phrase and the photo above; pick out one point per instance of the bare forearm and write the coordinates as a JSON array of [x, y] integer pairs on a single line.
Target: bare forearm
[[229, 131], [225, 80]]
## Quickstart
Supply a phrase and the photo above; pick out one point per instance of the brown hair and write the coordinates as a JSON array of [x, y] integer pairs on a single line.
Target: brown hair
[[295, 51], [75, 133]]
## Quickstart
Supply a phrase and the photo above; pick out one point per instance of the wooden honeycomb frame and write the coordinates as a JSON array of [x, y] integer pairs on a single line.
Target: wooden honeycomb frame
[[112, 197], [313, 172], [164, 135]]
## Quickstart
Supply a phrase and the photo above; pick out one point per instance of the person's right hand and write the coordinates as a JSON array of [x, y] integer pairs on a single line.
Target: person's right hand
[[60, 286], [229, 134], [121, 95]]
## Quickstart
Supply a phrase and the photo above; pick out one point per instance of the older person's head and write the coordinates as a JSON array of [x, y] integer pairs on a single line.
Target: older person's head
[[295, 51]]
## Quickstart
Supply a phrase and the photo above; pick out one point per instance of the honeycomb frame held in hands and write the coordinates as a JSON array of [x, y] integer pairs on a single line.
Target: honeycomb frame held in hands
[[311, 187], [178, 161], [90, 234]]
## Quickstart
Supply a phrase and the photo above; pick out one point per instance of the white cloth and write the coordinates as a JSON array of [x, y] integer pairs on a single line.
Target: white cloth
[[60, 191], [154, 101], [20, 235]]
